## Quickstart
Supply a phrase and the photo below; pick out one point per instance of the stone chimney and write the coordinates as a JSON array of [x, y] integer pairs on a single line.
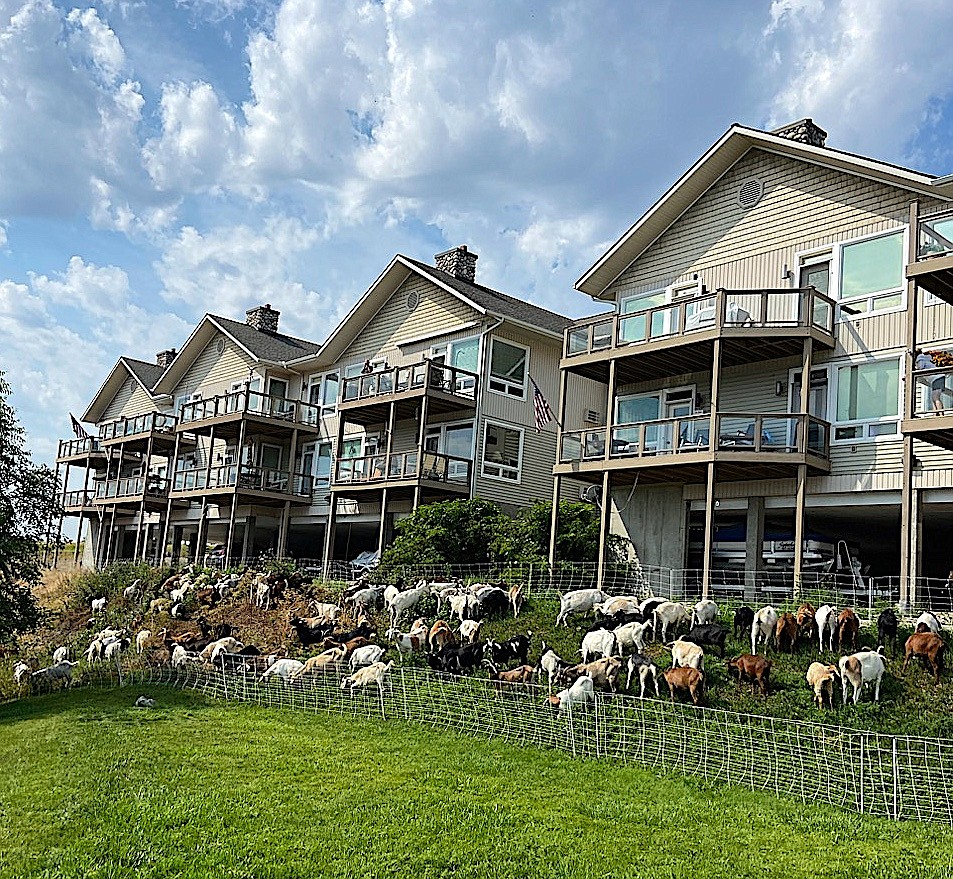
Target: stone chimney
[[458, 262], [804, 131], [263, 318], [164, 358]]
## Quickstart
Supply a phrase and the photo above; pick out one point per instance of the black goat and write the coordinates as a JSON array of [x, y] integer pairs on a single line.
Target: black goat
[[310, 631], [744, 617], [709, 634], [364, 630], [494, 601], [887, 625], [515, 648], [457, 660]]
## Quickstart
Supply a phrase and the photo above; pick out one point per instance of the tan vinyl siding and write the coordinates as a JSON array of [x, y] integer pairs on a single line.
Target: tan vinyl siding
[[536, 471], [213, 373], [394, 323], [543, 367], [130, 400]]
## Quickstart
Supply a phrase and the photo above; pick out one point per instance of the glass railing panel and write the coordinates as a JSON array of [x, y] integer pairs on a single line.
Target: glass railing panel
[[570, 447], [933, 390], [577, 341], [935, 237]]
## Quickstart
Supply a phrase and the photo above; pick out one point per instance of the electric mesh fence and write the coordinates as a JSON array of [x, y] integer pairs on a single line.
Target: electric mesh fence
[[896, 777]]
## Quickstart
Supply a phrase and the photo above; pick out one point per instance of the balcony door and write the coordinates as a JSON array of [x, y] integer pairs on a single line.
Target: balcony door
[[460, 354], [455, 440], [817, 401]]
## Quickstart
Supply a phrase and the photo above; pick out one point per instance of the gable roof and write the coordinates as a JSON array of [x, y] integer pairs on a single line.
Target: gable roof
[[483, 300], [721, 156], [273, 349], [145, 374]]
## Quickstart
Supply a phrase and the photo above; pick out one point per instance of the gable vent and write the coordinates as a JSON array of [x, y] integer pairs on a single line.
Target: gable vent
[[413, 300], [750, 193]]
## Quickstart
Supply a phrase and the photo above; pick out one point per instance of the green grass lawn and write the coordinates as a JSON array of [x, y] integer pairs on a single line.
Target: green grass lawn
[[92, 787]]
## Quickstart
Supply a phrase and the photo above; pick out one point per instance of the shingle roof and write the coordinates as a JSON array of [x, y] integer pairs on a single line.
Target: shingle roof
[[147, 373], [276, 347], [499, 303]]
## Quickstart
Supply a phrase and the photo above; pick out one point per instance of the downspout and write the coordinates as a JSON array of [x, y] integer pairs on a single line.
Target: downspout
[[478, 402]]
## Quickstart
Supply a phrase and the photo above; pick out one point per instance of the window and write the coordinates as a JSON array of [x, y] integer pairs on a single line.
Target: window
[[313, 394], [634, 329], [329, 393], [502, 452], [455, 440], [461, 354], [871, 274], [816, 273], [316, 462], [508, 368], [868, 400]]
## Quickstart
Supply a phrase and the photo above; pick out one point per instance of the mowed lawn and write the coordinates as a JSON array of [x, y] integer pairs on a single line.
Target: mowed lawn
[[92, 787]]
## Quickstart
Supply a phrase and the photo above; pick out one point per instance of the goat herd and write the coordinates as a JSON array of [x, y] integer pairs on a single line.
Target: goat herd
[[452, 644]]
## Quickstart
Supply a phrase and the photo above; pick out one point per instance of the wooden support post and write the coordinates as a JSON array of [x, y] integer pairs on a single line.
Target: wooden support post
[[754, 546], [709, 528], [421, 435], [807, 360], [604, 522], [59, 525], [329, 535], [173, 469], [557, 480], [142, 502], [283, 526], [713, 430]]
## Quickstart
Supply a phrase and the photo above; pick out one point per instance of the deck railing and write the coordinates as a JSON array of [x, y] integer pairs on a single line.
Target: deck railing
[[132, 487], [151, 422], [737, 432], [84, 446], [793, 308], [427, 374], [252, 403], [73, 500], [434, 467], [933, 391], [935, 235], [243, 477]]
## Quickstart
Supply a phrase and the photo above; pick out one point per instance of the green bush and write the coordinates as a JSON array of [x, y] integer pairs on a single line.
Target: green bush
[[87, 585]]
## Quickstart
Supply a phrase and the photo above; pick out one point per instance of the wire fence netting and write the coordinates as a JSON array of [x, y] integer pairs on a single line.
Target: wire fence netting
[[896, 777]]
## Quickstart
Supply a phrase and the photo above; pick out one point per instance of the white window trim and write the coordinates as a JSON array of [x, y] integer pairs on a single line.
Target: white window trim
[[483, 462], [837, 250], [660, 396], [489, 371], [441, 429], [832, 401], [329, 408]]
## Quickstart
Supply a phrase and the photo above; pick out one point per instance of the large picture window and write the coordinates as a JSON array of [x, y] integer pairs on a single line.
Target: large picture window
[[868, 400], [508, 368], [502, 452], [871, 274]]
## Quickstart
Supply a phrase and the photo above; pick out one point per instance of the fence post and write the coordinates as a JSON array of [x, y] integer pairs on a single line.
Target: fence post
[[224, 680], [896, 782], [863, 751], [596, 709], [119, 669]]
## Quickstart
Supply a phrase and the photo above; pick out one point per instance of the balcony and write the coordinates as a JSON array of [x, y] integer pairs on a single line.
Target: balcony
[[79, 502], [88, 451], [365, 398], [678, 338], [276, 416], [259, 485], [135, 433], [153, 490], [404, 469], [932, 416], [933, 269], [748, 446]]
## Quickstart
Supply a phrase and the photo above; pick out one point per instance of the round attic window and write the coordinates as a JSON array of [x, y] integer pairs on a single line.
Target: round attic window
[[750, 193], [219, 345], [413, 300]]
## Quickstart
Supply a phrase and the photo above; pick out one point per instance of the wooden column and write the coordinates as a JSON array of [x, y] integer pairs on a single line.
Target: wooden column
[[421, 435], [248, 538], [709, 527], [168, 507], [909, 504], [79, 531], [754, 546], [200, 537], [59, 524], [389, 450], [142, 503], [557, 480], [605, 513], [231, 532], [712, 449], [329, 534], [283, 526], [807, 361]]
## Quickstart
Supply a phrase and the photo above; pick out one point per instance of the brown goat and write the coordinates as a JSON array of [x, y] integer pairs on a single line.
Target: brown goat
[[928, 646], [441, 635], [847, 629], [689, 679], [805, 620], [785, 634], [755, 669]]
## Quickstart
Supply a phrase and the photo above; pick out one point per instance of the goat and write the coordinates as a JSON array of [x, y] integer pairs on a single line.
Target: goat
[[708, 635], [820, 678], [160, 605], [326, 661], [142, 638], [408, 642], [598, 644], [631, 636], [310, 631], [180, 656], [929, 647], [522, 674], [62, 672], [367, 655], [580, 601], [887, 626], [862, 668], [404, 601], [441, 635], [515, 648], [848, 627], [223, 645], [621, 604], [805, 620], [23, 670], [98, 605], [580, 693], [688, 679], [464, 606], [785, 633], [286, 669], [929, 620], [114, 648], [371, 674], [325, 612], [550, 663], [755, 669], [363, 630], [470, 631], [670, 613], [61, 653], [826, 621], [706, 611], [744, 617], [646, 669], [457, 660], [648, 605], [687, 655], [604, 672], [366, 599], [491, 600], [765, 622], [132, 590], [517, 599]]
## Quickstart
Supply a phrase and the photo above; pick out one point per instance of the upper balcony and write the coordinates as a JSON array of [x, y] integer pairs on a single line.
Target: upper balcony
[[151, 490], [677, 338], [748, 446], [245, 482], [88, 451], [365, 398], [268, 414], [437, 472], [77, 503], [933, 269], [135, 432], [932, 417]]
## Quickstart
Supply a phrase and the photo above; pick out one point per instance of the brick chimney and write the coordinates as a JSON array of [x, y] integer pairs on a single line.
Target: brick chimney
[[263, 318], [458, 262], [804, 131], [164, 358]]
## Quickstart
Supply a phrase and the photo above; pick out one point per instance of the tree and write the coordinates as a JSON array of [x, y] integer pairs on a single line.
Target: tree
[[29, 500]]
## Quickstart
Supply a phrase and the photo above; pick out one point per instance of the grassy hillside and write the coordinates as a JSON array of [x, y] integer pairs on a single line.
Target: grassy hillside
[[95, 788]]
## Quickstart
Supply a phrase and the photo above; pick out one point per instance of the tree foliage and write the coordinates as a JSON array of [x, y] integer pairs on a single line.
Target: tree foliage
[[29, 499], [470, 532]]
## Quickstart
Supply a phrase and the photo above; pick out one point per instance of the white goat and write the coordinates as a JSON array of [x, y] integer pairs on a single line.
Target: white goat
[[114, 648], [211, 652], [764, 626], [862, 668], [620, 604], [414, 641], [598, 645], [670, 613], [580, 694], [685, 654], [365, 656], [470, 631], [285, 669], [825, 618], [404, 601], [820, 678], [61, 672], [631, 637], [371, 674], [60, 654], [98, 605], [142, 638], [465, 606], [929, 620], [550, 663], [22, 672], [517, 598], [181, 656], [706, 611], [580, 601]]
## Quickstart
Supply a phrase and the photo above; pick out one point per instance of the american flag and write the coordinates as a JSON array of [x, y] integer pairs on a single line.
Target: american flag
[[541, 411], [78, 428]]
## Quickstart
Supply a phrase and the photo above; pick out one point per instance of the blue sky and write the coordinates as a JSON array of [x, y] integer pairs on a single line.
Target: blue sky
[[164, 158]]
